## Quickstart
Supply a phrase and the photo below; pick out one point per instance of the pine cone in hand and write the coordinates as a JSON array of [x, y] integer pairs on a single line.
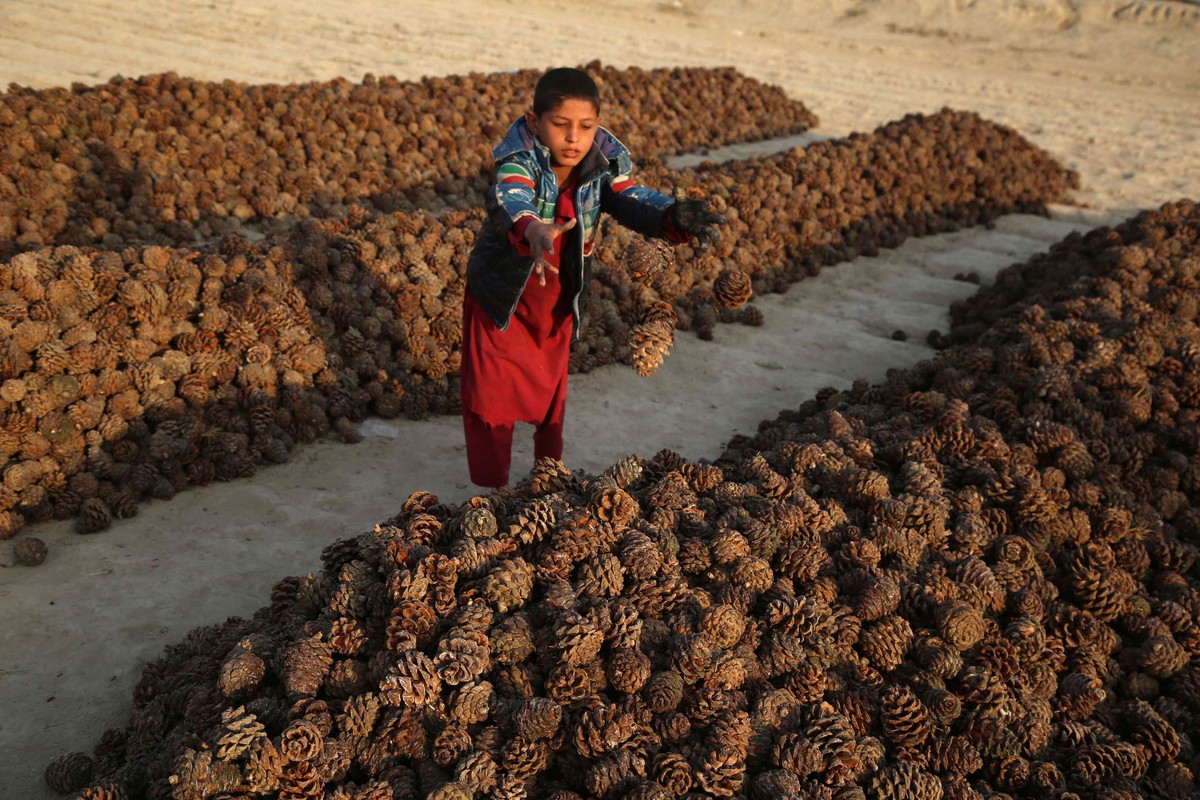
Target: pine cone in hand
[[697, 219]]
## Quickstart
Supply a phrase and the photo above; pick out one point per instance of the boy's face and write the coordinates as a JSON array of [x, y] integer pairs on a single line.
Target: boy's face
[[568, 130]]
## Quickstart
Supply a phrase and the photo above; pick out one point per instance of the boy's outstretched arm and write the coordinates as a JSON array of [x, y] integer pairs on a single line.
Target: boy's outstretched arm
[[652, 213]]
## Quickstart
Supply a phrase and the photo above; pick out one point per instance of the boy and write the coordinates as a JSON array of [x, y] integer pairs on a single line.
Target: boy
[[556, 170]]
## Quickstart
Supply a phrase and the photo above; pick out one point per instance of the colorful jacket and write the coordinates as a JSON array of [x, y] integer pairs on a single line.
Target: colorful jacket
[[526, 186]]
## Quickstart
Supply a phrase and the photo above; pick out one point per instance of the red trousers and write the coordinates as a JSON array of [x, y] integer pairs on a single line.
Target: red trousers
[[489, 447]]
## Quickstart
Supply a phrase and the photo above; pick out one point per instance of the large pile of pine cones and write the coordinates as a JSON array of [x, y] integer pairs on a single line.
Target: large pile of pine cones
[[169, 160], [975, 580], [134, 372]]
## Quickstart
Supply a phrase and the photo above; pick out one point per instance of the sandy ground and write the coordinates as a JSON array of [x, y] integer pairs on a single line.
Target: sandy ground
[[1109, 88]]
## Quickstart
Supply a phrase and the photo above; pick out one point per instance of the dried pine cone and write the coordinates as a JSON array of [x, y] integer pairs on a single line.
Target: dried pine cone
[[30, 551], [69, 773], [732, 288]]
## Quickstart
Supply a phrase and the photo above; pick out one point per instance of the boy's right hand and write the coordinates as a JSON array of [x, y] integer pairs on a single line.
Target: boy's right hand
[[541, 237]]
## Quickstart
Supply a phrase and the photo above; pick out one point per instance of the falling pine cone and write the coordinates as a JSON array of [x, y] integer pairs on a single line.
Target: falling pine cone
[[650, 345], [30, 551], [645, 258], [732, 288]]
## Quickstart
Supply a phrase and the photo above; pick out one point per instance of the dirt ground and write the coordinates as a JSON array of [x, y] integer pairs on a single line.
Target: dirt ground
[[1111, 89]]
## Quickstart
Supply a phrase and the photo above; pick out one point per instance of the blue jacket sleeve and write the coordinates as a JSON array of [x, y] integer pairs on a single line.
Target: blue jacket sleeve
[[634, 206]]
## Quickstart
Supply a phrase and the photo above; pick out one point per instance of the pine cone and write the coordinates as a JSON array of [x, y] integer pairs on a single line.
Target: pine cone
[[29, 550], [538, 718], [613, 505], [462, 656], [300, 741], [960, 624], [577, 640], [1153, 732], [904, 781], [645, 258], [906, 722], [664, 691], [305, 664], [672, 772], [69, 773], [885, 643], [476, 771], [627, 670], [649, 345], [508, 584], [412, 681], [94, 516], [722, 772], [602, 729], [732, 288], [523, 758], [600, 576], [240, 731], [240, 672]]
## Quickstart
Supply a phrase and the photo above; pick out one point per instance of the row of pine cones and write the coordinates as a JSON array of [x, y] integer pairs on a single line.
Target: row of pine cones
[[173, 160], [134, 373], [977, 579]]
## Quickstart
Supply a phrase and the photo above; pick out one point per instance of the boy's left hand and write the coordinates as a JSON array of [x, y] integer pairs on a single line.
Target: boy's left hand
[[697, 219]]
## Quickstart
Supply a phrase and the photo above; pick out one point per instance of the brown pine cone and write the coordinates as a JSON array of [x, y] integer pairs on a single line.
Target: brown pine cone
[[664, 691], [508, 584], [29, 550], [511, 640], [576, 639], [524, 758], [627, 670], [538, 718], [471, 702], [722, 771], [625, 471], [613, 505], [1162, 656], [1152, 732], [673, 772], [650, 344], [198, 774], [412, 681], [476, 771], [94, 516], [600, 576], [566, 684], [69, 773], [240, 672], [645, 258], [462, 656], [960, 624], [300, 741], [305, 664], [732, 288], [601, 729], [904, 781], [906, 722], [450, 744], [885, 643], [550, 475], [264, 766], [954, 754], [240, 730]]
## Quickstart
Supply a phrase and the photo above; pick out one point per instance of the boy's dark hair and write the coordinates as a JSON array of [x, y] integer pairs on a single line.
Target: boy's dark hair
[[564, 83]]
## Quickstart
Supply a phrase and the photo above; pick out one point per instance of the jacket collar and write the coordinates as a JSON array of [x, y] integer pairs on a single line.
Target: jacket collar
[[606, 149]]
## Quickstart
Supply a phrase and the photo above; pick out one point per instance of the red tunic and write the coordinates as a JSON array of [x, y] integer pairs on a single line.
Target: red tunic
[[520, 374]]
